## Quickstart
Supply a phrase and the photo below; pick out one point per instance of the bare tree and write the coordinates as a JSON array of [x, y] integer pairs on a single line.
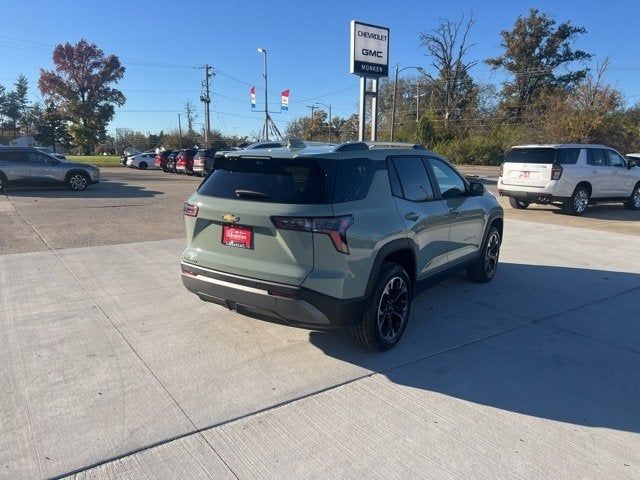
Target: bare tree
[[448, 46], [191, 116]]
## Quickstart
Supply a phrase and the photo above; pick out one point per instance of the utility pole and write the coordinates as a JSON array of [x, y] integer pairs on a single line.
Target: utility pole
[[180, 130], [268, 121], [205, 98]]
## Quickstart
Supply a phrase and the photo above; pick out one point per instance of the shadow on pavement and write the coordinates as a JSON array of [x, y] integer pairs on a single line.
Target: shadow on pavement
[[578, 366], [104, 189]]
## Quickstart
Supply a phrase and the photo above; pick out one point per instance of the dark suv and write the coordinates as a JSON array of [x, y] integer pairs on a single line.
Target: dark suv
[[203, 161], [336, 235], [28, 165]]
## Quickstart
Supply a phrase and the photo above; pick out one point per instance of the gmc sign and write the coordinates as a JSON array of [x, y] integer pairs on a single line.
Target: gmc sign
[[369, 55]]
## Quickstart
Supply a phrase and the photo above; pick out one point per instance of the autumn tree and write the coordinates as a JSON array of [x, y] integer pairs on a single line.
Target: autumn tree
[[538, 56], [81, 85]]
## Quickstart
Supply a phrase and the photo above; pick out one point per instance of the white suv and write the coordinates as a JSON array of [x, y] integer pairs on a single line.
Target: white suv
[[569, 175]]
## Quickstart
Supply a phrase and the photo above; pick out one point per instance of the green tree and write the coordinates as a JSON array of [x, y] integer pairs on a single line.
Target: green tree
[[538, 55], [15, 104], [51, 128], [82, 86]]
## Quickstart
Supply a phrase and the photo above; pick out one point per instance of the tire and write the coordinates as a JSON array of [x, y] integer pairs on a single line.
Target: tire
[[3, 182], [380, 334], [143, 166], [578, 202], [632, 204], [518, 204], [484, 268], [78, 181]]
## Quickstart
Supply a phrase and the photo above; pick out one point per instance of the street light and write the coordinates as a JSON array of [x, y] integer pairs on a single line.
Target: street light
[[266, 103], [329, 107], [395, 93]]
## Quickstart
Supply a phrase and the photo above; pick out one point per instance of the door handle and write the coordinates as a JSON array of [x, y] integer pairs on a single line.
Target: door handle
[[412, 216], [454, 211]]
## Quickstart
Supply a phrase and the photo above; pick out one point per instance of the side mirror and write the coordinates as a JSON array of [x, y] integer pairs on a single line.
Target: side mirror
[[631, 164], [476, 189]]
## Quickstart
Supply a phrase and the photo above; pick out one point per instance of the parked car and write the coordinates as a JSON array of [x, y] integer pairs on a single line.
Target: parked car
[[184, 161], [203, 161], [571, 176], [161, 159], [59, 156], [27, 165], [337, 235], [635, 158], [171, 161], [142, 161]]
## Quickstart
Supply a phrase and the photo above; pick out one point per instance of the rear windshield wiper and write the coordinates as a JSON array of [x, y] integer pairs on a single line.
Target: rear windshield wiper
[[251, 193]]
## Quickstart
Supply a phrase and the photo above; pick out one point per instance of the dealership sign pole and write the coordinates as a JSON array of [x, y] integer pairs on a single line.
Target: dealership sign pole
[[369, 59]]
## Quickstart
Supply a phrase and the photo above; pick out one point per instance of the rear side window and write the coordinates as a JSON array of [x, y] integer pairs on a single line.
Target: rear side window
[[353, 179], [415, 183], [267, 180], [596, 157], [14, 157], [531, 155], [567, 156]]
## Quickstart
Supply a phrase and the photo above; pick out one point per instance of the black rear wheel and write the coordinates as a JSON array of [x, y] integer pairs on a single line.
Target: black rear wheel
[[518, 204], [143, 166], [3, 182], [385, 319]]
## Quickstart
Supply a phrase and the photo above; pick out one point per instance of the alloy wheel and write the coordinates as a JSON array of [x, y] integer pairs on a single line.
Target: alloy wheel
[[635, 198], [580, 201], [78, 182], [393, 308]]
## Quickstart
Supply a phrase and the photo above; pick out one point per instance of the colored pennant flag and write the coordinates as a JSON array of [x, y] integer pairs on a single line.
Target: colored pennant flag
[[284, 103], [253, 98]]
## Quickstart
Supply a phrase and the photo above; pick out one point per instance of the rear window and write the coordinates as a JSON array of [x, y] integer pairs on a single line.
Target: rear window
[[531, 155], [267, 180], [561, 156], [353, 179]]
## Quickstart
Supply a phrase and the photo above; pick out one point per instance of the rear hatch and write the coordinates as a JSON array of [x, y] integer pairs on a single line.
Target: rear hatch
[[529, 167], [234, 231]]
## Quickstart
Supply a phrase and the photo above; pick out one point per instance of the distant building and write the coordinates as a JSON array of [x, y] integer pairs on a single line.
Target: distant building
[[24, 141]]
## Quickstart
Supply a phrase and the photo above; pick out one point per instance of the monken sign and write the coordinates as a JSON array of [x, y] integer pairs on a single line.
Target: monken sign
[[369, 50]]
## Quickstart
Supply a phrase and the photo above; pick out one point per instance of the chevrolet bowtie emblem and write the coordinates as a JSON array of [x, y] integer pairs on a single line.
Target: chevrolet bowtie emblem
[[230, 217]]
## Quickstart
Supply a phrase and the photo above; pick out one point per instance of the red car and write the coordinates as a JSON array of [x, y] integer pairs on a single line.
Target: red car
[[184, 161]]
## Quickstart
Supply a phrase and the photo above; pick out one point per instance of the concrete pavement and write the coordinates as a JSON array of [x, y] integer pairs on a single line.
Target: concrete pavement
[[109, 369]]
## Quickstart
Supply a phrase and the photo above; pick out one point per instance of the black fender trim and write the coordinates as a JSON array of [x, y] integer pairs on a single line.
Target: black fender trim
[[391, 247]]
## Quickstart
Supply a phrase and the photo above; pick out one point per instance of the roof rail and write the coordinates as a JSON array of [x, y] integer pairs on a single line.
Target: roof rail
[[414, 146], [351, 147]]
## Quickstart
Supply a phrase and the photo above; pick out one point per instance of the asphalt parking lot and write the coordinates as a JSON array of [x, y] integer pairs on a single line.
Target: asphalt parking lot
[[110, 369]]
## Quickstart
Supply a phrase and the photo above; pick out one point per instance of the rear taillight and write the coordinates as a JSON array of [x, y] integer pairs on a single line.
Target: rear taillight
[[334, 227], [181, 161], [190, 210], [158, 160], [556, 172]]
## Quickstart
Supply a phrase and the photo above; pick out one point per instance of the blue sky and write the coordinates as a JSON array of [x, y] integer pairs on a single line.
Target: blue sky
[[160, 41]]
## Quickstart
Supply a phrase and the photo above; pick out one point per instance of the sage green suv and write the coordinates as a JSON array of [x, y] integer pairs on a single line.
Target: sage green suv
[[335, 235]]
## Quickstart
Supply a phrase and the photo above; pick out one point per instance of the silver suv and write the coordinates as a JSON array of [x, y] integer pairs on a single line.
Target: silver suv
[[30, 165], [335, 235]]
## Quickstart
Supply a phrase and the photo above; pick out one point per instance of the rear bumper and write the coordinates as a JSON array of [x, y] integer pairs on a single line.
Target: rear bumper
[[533, 197], [297, 306]]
